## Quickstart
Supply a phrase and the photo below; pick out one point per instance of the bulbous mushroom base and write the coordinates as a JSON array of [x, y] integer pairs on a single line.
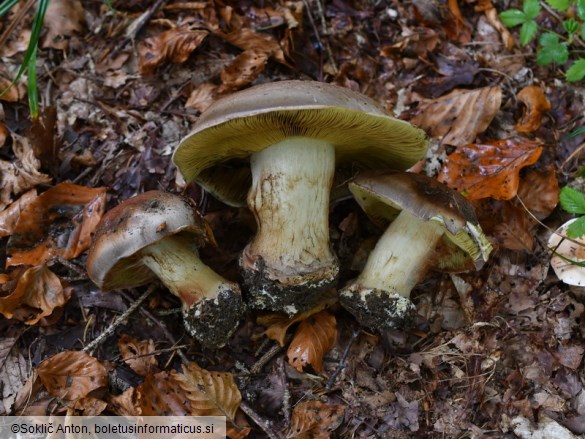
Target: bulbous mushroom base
[[279, 292], [375, 308], [213, 321]]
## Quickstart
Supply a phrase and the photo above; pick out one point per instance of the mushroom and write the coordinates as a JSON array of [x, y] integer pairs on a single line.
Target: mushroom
[[569, 256], [280, 143], [156, 235], [424, 213]]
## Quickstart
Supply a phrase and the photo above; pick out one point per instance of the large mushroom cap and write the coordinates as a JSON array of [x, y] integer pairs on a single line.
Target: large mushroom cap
[[130, 227], [236, 126], [383, 195]]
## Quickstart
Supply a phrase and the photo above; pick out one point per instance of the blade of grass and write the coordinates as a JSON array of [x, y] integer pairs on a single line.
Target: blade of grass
[[33, 93], [6, 5]]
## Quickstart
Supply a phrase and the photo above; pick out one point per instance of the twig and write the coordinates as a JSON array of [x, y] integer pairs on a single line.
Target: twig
[[259, 421], [257, 367], [121, 318], [15, 21], [322, 44], [341, 364]]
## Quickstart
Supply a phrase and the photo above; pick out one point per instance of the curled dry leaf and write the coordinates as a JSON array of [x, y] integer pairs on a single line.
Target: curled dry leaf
[[243, 70], [535, 103], [174, 45], [9, 216], [59, 222], [247, 39], [314, 337], [209, 393], [138, 354], [37, 293], [492, 16], [202, 97], [489, 169], [314, 419], [62, 19], [461, 115], [20, 174], [72, 375], [12, 95], [539, 191]]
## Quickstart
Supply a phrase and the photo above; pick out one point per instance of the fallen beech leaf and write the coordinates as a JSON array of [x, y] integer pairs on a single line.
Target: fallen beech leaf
[[202, 97], [209, 393], [138, 354], [38, 292], [88, 406], [539, 191], [59, 222], [489, 169], [14, 369], [12, 95], [247, 39], [72, 375], [159, 395], [125, 404], [243, 70], [314, 337], [9, 216], [459, 116], [314, 419], [536, 103], [515, 230], [492, 16], [457, 28], [20, 174], [62, 19], [3, 130], [278, 324], [174, 45]]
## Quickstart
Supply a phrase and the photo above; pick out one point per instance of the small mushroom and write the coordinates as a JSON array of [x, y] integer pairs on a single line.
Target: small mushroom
[[280, 143], [155, 235], [568, 257], [423, 212]]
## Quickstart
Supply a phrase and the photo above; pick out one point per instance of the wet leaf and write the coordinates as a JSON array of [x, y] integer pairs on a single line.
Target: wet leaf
[[20, 174], [209, 393], [515, 230], [37, 293], [72, 375], [459, 116], [314, 337], [59, 222], [62, 19], [314, 419], [243, 70], [539, 191], [9, 216], [489, 169], [174, 45], [138, 354], [536, 104]]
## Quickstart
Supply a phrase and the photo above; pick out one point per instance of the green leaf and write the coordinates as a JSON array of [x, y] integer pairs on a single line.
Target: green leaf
[[6, 5], [512, 17], [571, 26], [575, 133], [577, 228], [577, 71], [583, 32], [528, 32], [551, 50], [581, 9], [572, 200], [559, 5], [531, 8]]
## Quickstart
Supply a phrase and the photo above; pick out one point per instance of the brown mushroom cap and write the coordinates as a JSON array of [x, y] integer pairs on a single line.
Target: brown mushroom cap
[[236, 126], [130, 227], [383, 195]]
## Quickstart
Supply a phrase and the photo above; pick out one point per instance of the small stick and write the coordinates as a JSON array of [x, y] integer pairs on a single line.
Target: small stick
[[257, 367], [341, 364], [259, 421], [119, 320]]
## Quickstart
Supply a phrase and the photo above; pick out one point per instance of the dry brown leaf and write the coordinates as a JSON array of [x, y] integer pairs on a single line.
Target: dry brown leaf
[[457, 28], [247, 39], [515, 230], [490, 169], [492, 16], [59, 222], [174, 45], [72, 375], [3, 130], [209, 393], [9, 216], [535, 103], [278, 324], [125, 404], [314, 419], [38, 292], [159, 395], [314, 337], [88, 406], [243, 70], [539, 191], [459, 116], [20, 174], [62, 19], [202, 97], [12, 95], [138, 354]]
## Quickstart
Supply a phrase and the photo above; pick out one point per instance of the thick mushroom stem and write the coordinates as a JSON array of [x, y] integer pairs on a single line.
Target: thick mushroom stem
[[380, 296], [290, 256], [212, 305]]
